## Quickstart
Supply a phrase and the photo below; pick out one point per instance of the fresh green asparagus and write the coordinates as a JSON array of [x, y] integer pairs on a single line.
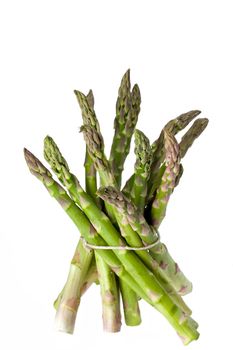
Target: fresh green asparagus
[[110, 308], [123, 263], [120, 247], [54, 156], [173, 127], [127, 111], [95, 147], [142, 169], [90, 120], [116, 198], [172, 164], [192, 134], [167, 269], [60, 167]]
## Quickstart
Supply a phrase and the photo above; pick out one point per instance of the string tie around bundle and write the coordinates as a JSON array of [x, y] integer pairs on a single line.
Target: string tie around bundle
[[126, 247]]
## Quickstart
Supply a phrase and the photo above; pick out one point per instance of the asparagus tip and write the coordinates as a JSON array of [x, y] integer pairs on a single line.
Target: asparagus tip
[[195, 112], [78, 93], [35, 166]]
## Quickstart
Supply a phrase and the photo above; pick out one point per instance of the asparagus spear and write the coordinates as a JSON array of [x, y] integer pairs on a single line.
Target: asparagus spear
[[116, 198], [179, 281], [89, 119], [182, 324], [75, 189], [90, 278], [90, 172], [110, 296], [158, 209], [90, 98], [91, 122], [95, 147], [131, 309], [168, 270], [192, 134], [86, 104], [187, 140], [179, 123], [173, 127], [141, 169], [172, 163], [171, 176], [157, 150], [90, 177], [110, 308], [127, 110], [69, 301], [60, 167], [80, 220]]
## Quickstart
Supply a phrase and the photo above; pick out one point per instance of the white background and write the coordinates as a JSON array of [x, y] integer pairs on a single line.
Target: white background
[[180, 53]]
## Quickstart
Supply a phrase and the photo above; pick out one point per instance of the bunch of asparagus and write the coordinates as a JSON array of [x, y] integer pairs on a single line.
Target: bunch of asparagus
[[120, 247]]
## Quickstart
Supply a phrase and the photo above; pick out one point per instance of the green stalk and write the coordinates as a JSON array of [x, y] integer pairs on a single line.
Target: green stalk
[[188, 138], [131, 309], [90, 184], [86, 104], [133, 265], [96, 150], [136, 272], [90, 278], [172, 164], [127, 189], [102, 165], [130, 261], [173, 127], [127, 111], [141, 170], [192, 134], [180, 122], [89, 119], [60, 167], [110, 310], [81, 260], [186, 142], [110, 296], [70, 299], [134, 240], [166, 270], [81, 198], [173, 170]]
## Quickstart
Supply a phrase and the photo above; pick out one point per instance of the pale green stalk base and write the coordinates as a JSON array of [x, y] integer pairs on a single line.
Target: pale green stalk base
[[110, 296], [70, 299], [91, 277], [131, 306]]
